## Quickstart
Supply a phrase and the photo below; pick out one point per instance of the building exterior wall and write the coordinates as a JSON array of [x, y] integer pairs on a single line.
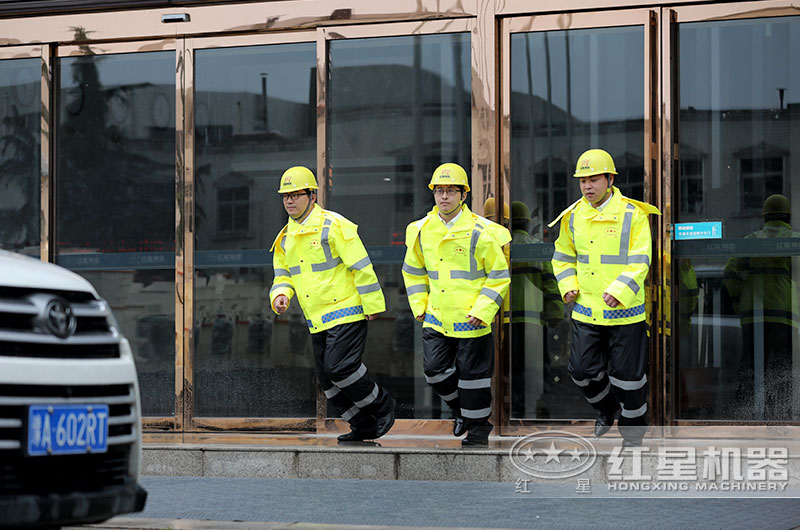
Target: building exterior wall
[[145, 154]]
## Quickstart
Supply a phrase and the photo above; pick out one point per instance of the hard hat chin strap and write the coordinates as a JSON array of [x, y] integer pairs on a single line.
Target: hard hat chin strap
[[302, 215], [454, 209]]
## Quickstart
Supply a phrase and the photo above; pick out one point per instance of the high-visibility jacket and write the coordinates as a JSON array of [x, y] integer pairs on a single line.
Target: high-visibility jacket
[[762, 288], [534, 293], [451, 274], [605, 251], [324, 263]]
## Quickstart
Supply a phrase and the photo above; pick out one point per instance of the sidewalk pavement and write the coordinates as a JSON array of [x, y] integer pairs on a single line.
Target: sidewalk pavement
[[240, 503]]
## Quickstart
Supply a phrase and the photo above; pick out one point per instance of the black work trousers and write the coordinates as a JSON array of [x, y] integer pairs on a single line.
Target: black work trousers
[[609, 364], [460, 371], [352, 392]]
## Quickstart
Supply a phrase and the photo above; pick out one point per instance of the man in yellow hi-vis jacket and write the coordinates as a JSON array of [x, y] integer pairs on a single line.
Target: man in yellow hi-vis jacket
[[319, 258], [456, 278], [601, 260]]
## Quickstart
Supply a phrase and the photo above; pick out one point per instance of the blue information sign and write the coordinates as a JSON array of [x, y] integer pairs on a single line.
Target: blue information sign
[[704, 230]]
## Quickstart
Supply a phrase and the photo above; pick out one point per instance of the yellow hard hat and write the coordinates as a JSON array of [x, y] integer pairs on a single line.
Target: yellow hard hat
[[519, 210], [594, 162], [489, 208], [776, 203], [449, 175], [297, 178]]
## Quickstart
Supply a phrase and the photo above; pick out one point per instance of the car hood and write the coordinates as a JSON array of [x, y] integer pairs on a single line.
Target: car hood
[[17, 270]]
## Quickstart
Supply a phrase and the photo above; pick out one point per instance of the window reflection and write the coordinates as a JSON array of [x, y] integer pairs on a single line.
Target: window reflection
[[116, 153], [254, 118], [737, 297], [397, 108], [20, 155], [570, 91], [143, 303], [115, 196]]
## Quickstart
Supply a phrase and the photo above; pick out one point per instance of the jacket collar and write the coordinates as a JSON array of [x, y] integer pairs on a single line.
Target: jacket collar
[[613, 205], [464, 221], [313, 221]]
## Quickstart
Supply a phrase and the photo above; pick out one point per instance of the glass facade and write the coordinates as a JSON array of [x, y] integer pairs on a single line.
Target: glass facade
[[397, 108], [373, 107], [20, 155], [254, 118], [115, 219], [570, 91], [737, 300]]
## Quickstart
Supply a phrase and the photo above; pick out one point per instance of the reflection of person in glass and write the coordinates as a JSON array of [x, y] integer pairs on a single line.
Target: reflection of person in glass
[[319, 257], [456, 277], [535, 304], [765, 296], [221, 334], [601, 260]]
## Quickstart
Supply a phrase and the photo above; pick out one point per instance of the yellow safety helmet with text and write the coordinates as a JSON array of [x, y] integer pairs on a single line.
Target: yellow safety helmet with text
[[449, 175], [489, 209], [776, 203], [297, 178], [594, 162]]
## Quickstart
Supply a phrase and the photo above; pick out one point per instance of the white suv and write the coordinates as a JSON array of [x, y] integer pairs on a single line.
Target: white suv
[[70, 415]]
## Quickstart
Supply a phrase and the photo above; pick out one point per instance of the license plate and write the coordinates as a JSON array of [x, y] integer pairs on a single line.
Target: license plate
[[67, 429]]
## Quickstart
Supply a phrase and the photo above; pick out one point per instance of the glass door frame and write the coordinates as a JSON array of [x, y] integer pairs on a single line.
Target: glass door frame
[[672, 17], [480, 84], [197, 424], [154, 423], [647, 18]]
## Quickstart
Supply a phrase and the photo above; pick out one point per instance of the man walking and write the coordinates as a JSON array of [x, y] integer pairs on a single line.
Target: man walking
[[319, 258], [601, 260], [456, 277]]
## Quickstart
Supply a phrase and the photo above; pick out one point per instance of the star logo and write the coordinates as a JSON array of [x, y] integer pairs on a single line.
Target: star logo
[[553, 454]]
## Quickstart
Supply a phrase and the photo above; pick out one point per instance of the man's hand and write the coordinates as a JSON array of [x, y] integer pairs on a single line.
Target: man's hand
[[610, 300], [474, 321], [420, 318], [570, 296], [372, 316], [281, 303]]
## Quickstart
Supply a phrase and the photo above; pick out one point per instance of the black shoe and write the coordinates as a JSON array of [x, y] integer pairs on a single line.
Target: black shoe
[[357, 436], [604, 423], [477, 436], [634, 442], [459, 426], [385, 421]]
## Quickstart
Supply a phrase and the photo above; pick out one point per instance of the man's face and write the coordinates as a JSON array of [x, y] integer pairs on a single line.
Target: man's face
[[295, 203], [594, 187], [447, 197]]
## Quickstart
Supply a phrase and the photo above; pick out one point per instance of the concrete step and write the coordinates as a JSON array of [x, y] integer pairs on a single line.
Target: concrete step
[[544, 457]]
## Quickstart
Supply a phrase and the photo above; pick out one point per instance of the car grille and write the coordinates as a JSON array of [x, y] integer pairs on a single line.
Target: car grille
[[22, 333], [22, 474]]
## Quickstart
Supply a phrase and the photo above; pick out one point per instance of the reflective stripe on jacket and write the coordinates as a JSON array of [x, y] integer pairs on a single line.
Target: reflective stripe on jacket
[[324, 263], [762, 288], [605, 251], [452, 274]]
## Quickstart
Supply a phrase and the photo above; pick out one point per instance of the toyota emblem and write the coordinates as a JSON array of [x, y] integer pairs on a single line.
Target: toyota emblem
[[59, 319]]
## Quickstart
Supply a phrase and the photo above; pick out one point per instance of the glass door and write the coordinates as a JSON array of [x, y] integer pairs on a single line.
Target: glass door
[[398, 104], [571, 82], [115, 173], [254, 102], [735, 108]]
